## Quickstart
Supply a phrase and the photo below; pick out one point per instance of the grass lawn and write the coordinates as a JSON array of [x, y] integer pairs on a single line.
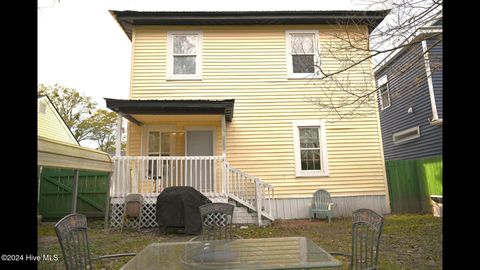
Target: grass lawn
[[408, 241]]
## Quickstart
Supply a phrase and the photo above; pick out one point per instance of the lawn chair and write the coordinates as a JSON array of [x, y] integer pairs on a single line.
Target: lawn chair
[[366, 231], [216, 222], [321, 205], [72, 235], [132, 208]]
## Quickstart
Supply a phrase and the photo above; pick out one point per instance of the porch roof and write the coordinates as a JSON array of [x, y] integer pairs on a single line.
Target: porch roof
[[130, 107]]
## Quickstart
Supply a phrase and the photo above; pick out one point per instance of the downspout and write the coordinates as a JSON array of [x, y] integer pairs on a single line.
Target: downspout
[[434, 119]]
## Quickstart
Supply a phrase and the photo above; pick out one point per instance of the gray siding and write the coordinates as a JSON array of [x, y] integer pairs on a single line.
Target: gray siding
[[435, 57], [299, 207], [409, 88]]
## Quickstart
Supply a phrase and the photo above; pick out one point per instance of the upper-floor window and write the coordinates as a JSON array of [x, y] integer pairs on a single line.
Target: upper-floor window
[[384, 92], [310, 148], [184, 55], [302, 53]]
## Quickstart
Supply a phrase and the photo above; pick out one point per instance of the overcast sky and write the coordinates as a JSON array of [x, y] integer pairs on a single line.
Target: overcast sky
[[81, 46]]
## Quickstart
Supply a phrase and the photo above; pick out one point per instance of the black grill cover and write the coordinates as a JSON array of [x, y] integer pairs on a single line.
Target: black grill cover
[[178, 207]]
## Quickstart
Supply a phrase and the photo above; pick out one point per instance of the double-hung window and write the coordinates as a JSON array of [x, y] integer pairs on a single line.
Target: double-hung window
[[310, 148], [184, 55], [302, 53], [384, 92]]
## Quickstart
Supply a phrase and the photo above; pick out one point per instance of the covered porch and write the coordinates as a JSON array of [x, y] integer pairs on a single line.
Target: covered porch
[[182, 143]]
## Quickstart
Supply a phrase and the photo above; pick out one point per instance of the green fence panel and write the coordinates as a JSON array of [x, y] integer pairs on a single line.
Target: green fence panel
[[430, 180], [411, 182], [403, 187], [56, 192]]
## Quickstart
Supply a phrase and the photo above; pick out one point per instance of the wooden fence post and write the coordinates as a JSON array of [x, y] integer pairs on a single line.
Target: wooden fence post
[[75, 190]]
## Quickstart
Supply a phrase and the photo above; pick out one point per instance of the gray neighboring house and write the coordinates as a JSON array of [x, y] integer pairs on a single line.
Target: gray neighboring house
[[410, 97]]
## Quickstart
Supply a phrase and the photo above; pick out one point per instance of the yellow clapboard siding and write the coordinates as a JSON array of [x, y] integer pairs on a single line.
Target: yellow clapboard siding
[[248, 64], [50, 124]]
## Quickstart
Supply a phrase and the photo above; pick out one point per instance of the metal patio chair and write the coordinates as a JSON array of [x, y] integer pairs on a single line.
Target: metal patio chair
[[133, 208], [72, 234], [321, 205], [366, 231], [216, 222]]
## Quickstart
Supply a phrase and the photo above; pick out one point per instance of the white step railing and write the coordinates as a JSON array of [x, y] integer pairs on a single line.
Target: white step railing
[[251, 191], [207, 174]]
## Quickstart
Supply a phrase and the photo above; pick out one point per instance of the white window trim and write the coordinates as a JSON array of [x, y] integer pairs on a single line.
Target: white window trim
[[159, 128], [316, 58], [417, 128], [323, 148], [198, 59], [381, 82]]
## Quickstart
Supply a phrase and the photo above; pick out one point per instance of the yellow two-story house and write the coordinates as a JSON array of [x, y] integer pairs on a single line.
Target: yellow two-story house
[[218, 101]]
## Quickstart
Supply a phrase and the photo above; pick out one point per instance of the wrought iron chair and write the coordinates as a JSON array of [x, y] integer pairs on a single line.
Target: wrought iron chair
[[132, 208], [72, 235], [216, 222], [366, 231], [321, 205]]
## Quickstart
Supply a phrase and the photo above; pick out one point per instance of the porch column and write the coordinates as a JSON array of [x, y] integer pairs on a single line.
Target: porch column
[[118, 145], [224, 137], [224, 155]]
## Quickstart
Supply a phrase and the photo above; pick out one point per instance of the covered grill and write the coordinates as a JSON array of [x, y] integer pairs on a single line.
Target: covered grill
[[177, 207]]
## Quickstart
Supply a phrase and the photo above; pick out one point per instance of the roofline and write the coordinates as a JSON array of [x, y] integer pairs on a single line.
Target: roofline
[[127, 18], [419, 33], [56, 110], [129, 107]]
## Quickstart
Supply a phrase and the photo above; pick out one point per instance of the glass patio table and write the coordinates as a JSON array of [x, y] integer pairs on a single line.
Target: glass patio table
[[259, 253]]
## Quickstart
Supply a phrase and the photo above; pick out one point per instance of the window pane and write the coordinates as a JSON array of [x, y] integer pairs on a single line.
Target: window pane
[[166, 144], [309, 138], [303, 64], [154, 142], [310, 159], [184, 65], [385, 100], [302, 43], [184, 44], [383, 88]]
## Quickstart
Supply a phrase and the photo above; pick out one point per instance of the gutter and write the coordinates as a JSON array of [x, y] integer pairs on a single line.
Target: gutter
[[435, 120]]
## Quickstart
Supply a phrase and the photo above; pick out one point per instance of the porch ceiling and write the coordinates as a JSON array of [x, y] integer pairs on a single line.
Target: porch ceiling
[[153, 119], [133, 109]]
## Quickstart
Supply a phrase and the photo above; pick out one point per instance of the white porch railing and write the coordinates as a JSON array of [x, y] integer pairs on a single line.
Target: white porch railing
[[207, 174], [151, 175]]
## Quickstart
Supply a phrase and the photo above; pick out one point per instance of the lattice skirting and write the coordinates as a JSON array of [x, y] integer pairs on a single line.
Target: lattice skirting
[[149, 219], [148, 214]]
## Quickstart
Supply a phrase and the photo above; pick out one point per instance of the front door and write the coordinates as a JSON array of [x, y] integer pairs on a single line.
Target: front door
[[200, 172]]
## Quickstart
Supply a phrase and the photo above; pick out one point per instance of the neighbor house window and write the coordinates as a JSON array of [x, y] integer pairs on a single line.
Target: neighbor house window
[[42, 107], [302, 53], [184, 55], [406, 135], [384, 92], [310, 148]]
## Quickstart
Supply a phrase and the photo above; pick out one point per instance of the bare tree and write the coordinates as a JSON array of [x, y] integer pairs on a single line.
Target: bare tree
[[349, 54]]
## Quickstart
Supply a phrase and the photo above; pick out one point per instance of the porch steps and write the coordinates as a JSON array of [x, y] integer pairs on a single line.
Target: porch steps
[[241, 213]]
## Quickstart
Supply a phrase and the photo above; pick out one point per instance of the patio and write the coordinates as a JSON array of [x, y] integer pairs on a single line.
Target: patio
[[407, 242]]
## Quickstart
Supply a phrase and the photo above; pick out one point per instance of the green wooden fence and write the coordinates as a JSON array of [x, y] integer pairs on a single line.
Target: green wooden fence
[[56, 193], [411, 182]]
